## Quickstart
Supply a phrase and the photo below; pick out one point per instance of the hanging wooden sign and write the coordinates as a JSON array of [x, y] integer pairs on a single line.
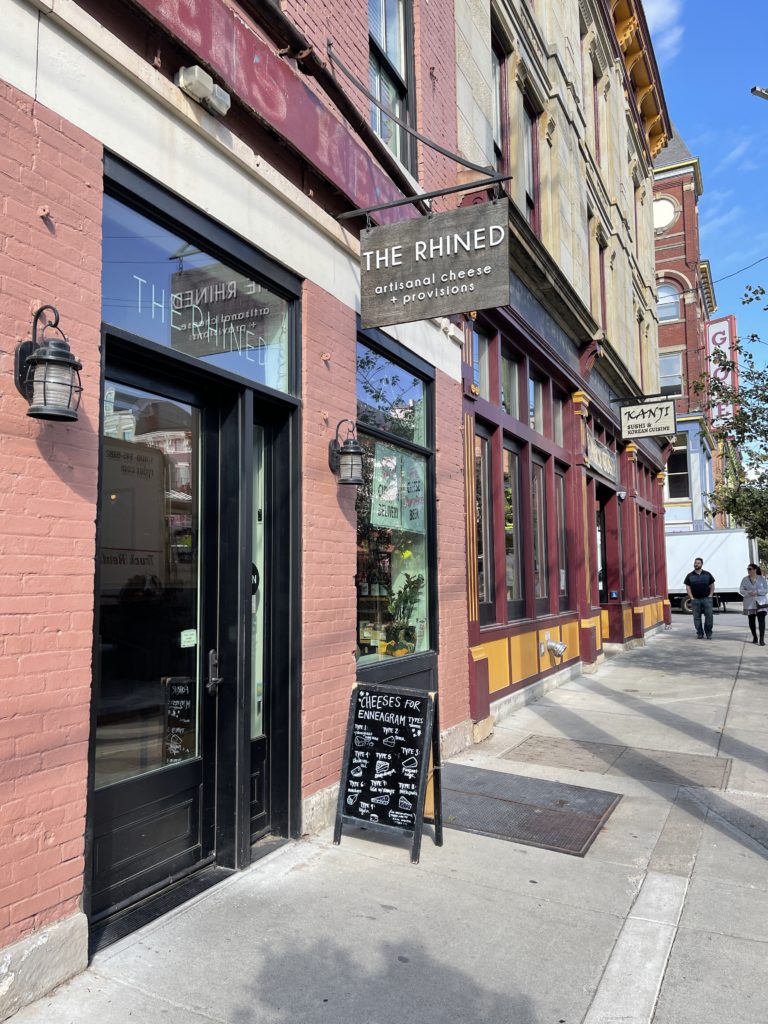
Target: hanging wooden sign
[[435, 266], [390, 735]]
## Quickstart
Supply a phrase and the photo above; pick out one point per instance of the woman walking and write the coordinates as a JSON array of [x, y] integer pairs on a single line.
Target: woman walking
[[754, 590]]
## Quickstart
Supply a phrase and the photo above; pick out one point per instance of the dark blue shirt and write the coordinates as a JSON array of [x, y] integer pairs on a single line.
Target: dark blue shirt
[[699, 582]]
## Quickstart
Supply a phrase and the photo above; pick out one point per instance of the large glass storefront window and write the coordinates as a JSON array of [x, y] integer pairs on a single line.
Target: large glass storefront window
[[160, 287], [512, 541], [392, 511], [539, 519], [484, 530], [562, 540]]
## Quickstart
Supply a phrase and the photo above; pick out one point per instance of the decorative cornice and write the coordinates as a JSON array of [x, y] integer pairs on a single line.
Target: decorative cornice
[[641, 74], [580, 402], [707, 286], [588, 355], [666, 171], [586, 13]]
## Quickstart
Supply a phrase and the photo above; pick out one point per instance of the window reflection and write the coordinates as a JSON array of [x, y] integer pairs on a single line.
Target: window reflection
[[538, 511], [536, 405], [484, 526], [392, 577], [147, 585], [389, 397], [160, 287], [512, 525]]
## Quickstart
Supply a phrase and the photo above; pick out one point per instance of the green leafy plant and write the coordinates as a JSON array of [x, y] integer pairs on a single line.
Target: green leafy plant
[[735, 391], [401, 604]]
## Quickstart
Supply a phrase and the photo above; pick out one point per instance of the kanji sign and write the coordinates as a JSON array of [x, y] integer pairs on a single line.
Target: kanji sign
[[651, 419]]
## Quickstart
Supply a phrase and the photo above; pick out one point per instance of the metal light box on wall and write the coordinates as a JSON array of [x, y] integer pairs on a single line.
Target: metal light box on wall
[[651, 419], [435, 266]]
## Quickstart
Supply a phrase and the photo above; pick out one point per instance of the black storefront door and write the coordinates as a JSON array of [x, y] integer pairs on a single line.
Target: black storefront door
[[170, 645]]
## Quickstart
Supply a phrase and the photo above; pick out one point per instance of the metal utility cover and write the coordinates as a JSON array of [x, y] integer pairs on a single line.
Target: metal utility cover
[[533, 812], [437, 265]]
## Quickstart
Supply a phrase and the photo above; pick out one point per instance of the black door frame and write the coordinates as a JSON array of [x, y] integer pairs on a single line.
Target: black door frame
[[243, 404]]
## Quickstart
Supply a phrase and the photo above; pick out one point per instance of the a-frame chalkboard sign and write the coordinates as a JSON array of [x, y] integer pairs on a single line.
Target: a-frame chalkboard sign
[[390, 735]]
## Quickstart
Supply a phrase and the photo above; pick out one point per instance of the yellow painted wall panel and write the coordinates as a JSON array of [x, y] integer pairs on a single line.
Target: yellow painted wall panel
[[604, 623], [498, 665], [570, 634], [524, 656], [627, 622]]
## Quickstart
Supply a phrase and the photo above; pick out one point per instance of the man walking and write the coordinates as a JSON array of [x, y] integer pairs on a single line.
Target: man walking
[[700, 586]]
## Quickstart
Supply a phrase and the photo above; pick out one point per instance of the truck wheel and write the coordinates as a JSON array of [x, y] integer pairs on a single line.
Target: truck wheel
[[687, 605]]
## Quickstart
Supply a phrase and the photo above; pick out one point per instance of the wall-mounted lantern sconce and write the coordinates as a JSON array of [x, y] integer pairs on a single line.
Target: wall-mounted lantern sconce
[[557, 647], [621, 495], [346, 457], [47, 374]]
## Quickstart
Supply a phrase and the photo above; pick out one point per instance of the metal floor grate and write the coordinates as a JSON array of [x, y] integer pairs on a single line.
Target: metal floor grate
[[533, 812]]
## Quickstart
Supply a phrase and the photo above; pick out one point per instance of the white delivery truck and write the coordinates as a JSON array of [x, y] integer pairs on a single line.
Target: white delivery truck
[[726, 554]]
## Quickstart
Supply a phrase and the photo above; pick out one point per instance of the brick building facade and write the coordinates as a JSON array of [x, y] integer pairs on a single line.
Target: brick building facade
[[188, 593], [686, 301], [196, 480]]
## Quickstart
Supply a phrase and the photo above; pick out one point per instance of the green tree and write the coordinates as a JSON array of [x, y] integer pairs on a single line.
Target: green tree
[[736, 391]]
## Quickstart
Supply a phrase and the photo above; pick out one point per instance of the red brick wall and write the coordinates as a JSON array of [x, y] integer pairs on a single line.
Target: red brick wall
[[347, 28], [48, 484], [329, 552], [435, 61], [451, 553], [433, 39], [677, 261]]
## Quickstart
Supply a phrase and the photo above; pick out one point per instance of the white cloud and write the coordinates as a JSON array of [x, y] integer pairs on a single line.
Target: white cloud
[[729, 220], [734, 155], [665, 22]]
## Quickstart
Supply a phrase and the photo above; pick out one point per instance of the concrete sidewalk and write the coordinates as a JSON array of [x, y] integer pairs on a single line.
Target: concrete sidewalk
[[664, 920]]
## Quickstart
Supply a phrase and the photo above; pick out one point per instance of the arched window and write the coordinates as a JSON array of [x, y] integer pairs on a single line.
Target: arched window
[[668, 302]]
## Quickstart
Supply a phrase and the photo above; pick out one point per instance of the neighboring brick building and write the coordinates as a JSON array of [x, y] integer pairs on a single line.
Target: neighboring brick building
[[686, 301]]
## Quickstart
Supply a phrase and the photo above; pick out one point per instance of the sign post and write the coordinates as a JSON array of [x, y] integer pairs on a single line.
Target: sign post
[[390, 735]]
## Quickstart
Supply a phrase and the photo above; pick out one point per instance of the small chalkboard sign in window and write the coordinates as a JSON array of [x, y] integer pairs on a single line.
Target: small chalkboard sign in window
[[390, 735]]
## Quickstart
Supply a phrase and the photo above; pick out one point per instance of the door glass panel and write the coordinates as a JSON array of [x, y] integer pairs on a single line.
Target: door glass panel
[[601, 574], [157, 285], [148, 584], [257, 588]]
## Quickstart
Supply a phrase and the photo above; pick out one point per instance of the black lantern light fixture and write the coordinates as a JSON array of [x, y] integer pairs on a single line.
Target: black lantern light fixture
[[47, 374], [346, 457]]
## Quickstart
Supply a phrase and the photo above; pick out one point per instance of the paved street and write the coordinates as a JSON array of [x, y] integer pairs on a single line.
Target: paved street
[[665, 919]]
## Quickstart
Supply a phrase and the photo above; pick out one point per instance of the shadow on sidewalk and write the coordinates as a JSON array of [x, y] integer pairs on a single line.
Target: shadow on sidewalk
[[320, 981], [722, 814]]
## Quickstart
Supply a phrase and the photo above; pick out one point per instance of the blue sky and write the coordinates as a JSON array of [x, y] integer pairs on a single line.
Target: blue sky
[[710, 54]]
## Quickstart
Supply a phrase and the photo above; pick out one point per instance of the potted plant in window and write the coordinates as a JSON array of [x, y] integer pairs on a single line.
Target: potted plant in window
[[400, 632]]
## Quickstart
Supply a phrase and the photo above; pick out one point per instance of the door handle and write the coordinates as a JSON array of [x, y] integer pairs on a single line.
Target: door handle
[[214, 679]]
